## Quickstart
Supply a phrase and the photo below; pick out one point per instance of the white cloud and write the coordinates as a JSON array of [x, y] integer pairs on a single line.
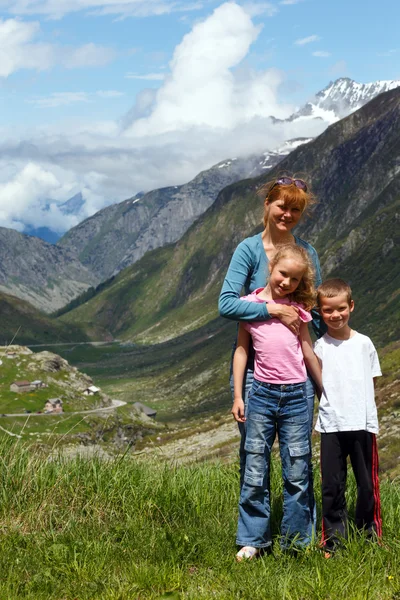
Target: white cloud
[[307, 40], [56, 9], [290, 2], [389, 52], [19, 50], [339, 69], [203, 90], [23, 199], [211, 106], [255, 9], [57, 99], [109, 94], [147, 77], [88, 55], [321, 54]]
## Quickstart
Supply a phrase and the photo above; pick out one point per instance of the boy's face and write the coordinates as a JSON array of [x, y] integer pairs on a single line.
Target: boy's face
[[336, 311]]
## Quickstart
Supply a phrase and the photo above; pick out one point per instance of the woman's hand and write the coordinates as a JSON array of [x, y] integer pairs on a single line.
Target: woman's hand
[[288, 315]]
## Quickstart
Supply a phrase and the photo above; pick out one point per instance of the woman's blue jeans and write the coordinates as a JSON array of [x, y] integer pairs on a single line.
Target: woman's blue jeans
[[272, 409], [310, 393]]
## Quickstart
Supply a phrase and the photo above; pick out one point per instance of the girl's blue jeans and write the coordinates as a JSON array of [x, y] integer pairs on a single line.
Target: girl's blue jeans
[[310, 394], [282, 409]]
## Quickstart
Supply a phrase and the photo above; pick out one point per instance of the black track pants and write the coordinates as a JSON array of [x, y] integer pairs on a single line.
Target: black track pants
[[335, 448]]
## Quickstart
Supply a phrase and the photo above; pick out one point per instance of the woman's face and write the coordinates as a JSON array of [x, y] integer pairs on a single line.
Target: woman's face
[[281, 216]]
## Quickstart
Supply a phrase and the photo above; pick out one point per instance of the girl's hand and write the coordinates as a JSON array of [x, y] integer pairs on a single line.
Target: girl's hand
[[288, 315], [238, 410]]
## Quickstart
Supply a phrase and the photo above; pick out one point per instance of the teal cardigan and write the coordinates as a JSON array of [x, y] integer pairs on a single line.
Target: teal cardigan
[[248, 270]]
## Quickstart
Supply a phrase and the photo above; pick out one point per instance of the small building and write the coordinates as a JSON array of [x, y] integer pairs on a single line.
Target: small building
[[37, 384], [149, 412], [91, 390], [20, 386], [11, 354], [54, 406]]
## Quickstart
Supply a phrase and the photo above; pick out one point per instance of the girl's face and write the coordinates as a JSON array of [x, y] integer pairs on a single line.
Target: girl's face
[[285, 277], [281, 216]]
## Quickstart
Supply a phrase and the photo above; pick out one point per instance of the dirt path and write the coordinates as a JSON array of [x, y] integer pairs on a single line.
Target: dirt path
[[115, 404]]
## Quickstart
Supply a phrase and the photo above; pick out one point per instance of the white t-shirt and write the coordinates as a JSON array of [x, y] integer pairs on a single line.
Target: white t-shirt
[[348, 399]]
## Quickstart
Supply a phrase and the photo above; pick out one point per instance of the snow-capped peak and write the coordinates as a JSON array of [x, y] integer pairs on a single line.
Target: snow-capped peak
[[342, 97]]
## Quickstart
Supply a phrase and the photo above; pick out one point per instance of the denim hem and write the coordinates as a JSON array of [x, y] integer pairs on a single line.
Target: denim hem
[[242, 544], [295, 545]]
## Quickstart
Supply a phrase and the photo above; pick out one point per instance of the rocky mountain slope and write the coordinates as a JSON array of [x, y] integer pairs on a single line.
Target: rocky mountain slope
[[121, 234], [47, 276], [354, 168], [27, 325], [91, 420]]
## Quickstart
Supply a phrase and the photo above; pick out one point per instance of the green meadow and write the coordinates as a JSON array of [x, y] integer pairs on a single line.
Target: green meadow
[[123, 530]]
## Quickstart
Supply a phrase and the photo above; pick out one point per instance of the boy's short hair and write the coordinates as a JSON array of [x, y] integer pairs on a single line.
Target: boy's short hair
[[333, 287]]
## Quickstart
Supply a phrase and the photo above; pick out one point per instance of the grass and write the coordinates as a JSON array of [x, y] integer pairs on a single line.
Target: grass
[[125, 530]]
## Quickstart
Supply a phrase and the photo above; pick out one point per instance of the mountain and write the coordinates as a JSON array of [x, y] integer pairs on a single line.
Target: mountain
[[70, 207], [354, 169], [24, 324], [73, 205], [44, 233], [119, 235], [342, 97], [45, 275]]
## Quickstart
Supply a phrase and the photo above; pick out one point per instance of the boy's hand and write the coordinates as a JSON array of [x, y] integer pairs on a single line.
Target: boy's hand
[[238, 410]]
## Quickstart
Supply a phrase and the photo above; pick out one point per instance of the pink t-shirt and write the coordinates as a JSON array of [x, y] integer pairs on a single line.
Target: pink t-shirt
[[278, 354]]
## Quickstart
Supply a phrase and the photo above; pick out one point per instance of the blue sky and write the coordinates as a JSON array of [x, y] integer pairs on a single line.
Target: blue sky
[[351, 38], [89, 88]]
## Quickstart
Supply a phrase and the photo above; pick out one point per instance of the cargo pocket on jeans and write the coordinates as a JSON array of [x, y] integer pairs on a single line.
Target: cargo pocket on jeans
[[299, 459], [256, 464]]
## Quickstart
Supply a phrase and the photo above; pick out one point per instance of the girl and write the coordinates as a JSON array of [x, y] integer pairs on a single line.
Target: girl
[[277, 403]]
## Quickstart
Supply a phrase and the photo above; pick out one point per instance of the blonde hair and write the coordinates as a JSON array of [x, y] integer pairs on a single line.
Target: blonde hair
[[290, 194], [334, 287], [305, 292]]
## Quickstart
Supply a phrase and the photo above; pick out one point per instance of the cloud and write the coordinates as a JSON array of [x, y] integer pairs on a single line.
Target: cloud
[[88, 55], [290, 2], [339, 69], [56, 9], [57, 99], [109, 93], [211, 106], [321, 54], [147, 77], [255, 9], [23, 200], [307, 40], [203, 89], [389, 52], [18, 50]]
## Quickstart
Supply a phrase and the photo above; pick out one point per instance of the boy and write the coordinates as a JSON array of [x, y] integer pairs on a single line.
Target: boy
[[347, 418]]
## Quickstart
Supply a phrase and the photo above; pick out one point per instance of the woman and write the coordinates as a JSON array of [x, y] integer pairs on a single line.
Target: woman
[[285, 202]]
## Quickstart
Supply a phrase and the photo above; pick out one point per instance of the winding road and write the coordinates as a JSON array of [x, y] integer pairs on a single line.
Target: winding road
[[115, 404]]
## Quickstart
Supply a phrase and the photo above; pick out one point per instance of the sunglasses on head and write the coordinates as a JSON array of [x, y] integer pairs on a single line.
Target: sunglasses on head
[[288, 181]]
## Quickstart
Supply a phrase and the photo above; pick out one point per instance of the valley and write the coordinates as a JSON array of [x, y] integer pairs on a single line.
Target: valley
[[163, 343]]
